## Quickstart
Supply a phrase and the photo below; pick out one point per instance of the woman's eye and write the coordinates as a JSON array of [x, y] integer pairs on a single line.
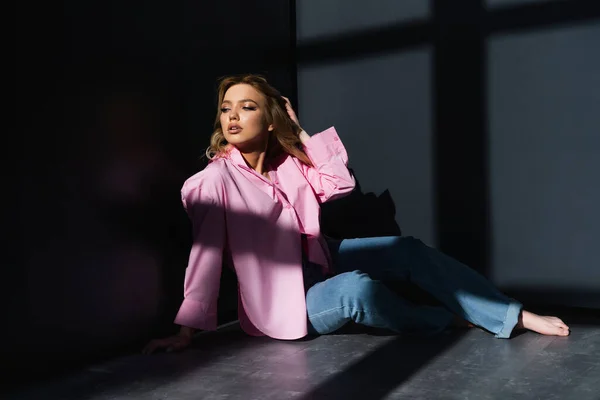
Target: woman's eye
[[249, 108], [224, 109]]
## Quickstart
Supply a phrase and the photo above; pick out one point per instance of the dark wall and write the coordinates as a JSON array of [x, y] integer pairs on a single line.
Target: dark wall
[[115, 105]]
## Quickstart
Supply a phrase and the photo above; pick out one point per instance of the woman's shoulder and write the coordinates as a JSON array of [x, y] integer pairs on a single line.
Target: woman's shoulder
[[210, 179]]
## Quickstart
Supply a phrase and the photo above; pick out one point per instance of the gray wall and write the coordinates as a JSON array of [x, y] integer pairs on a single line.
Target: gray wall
[[324, 19], [543, 100], [544, 121]]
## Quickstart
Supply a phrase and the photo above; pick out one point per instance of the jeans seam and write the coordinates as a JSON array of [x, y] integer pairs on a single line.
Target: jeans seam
[[354, 309], [326, 311]]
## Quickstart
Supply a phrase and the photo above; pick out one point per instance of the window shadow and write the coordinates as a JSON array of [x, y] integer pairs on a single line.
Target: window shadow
[[383, 370]]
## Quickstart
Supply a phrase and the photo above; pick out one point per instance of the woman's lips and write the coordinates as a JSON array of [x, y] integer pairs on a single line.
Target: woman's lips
[[234, 129]]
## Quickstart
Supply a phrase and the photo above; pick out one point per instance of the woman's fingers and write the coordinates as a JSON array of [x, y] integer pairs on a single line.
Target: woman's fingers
[[178, 346], [155, 345], [290, 110], [150, 347], [174, 343]]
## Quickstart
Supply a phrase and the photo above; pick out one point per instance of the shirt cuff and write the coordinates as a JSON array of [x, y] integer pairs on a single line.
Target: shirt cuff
[[324, 146], [196, 315]]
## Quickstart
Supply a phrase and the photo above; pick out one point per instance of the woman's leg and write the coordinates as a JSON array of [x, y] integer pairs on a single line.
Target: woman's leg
[[355, 296], [461, 289]]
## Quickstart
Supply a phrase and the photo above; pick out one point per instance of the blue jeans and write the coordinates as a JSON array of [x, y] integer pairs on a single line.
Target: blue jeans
[[357, 292]]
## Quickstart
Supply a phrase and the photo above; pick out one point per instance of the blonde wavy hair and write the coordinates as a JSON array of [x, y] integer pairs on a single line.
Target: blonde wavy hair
[[285, 135]]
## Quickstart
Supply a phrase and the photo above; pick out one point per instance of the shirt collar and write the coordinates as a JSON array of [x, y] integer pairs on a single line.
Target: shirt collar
[[232, 153], [235, 156]]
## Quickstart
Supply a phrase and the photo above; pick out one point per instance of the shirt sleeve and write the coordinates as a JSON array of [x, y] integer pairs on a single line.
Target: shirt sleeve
[[204, 204], [329, 176]]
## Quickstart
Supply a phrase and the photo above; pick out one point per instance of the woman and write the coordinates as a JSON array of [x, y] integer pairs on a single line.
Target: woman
[[255, 207]]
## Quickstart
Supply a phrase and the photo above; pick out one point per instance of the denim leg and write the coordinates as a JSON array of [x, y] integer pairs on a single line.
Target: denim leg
[[355, 296], [461, 289]]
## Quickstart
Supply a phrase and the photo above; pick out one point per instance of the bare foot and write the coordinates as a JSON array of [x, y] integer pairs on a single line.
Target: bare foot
[[543, 325]]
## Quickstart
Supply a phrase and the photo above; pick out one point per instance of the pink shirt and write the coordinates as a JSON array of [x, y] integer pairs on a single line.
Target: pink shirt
[[256, 223]]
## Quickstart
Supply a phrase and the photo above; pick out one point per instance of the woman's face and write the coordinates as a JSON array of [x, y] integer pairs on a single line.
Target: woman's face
[[243, 118]]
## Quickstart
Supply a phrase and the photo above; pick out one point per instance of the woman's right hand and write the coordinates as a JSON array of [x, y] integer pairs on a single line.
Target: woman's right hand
[[176, 342], [290, 110]]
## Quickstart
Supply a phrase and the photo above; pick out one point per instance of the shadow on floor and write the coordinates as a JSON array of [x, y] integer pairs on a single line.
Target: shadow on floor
[[385, 369]]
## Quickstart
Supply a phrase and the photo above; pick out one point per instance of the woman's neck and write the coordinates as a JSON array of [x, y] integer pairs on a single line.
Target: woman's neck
[[256, 160], [255, 156]]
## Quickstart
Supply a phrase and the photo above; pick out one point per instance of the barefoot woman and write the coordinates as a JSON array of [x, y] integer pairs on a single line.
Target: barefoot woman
[[255, 208]]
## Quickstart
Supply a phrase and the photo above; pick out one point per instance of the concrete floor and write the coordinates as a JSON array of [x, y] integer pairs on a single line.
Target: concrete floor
[[465, 364]]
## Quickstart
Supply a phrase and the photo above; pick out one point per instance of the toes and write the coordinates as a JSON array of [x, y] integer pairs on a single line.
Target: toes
[[564, 331], [562, 325], [559, 322]]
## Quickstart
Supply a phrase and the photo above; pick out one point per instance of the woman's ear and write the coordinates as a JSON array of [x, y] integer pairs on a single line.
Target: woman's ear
[[271, 127]]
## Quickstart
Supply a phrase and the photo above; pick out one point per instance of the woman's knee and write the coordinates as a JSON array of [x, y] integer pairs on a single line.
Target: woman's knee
[[364, 300], [334, 302], [361, 288]]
